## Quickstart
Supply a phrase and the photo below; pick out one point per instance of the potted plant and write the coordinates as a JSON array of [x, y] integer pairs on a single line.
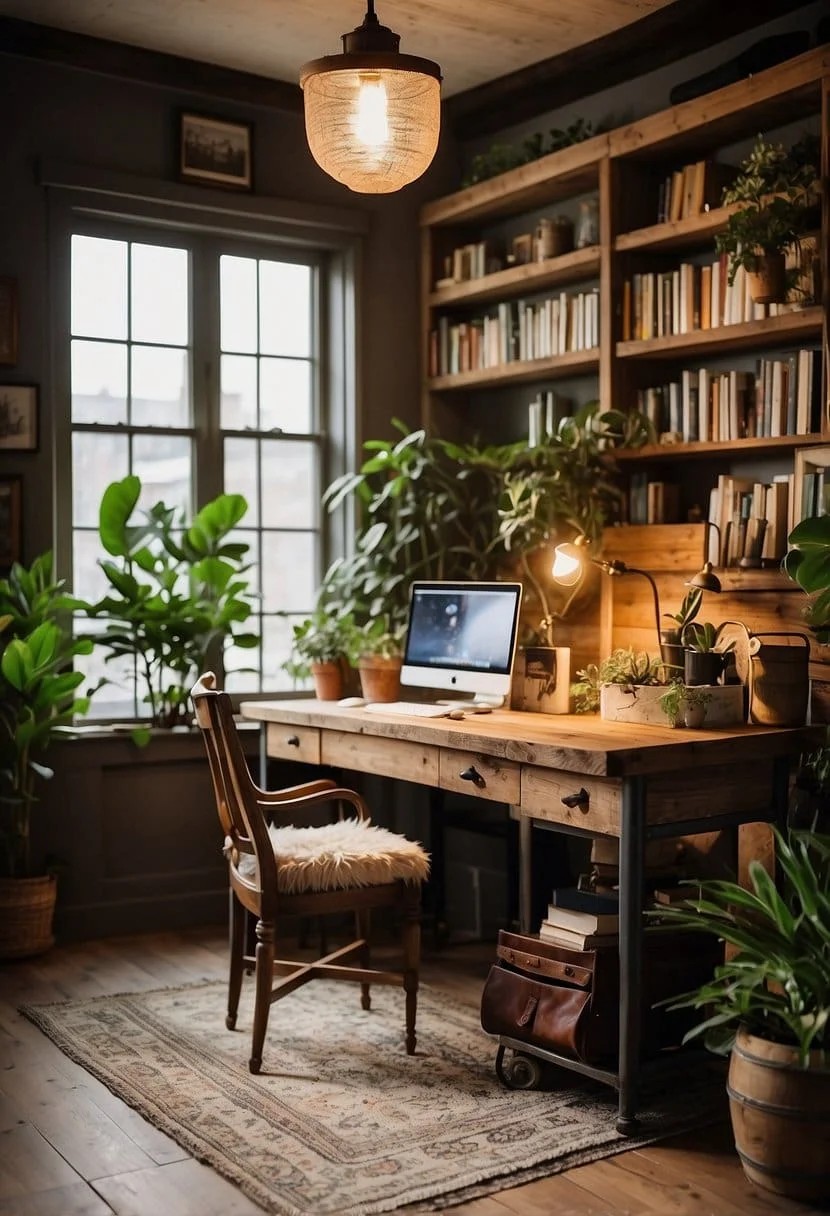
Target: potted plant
[[686, 703], [376, 650], [37, 695], [177, 592], [704, 663], [775, 195], [671, 638], [769, 1005], [319, 645]]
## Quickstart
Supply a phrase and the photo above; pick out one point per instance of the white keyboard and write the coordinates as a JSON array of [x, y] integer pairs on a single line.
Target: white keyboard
[[417, 709]]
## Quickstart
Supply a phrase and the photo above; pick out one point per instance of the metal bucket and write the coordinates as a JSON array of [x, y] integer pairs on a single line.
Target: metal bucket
[[779, 679]]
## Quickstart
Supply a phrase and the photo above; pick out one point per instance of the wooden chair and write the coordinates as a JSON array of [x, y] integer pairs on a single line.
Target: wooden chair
[[282, 871]]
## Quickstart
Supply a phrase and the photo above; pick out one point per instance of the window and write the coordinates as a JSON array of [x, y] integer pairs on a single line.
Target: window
[[195, 363]]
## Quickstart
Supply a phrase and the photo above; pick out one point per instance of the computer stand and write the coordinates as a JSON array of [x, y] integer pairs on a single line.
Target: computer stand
[[480, 701]]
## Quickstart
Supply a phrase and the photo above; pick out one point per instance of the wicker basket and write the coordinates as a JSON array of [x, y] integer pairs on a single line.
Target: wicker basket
[[27, 907]]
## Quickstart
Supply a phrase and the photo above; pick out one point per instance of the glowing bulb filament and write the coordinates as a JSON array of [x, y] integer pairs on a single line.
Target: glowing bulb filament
[[371, 124]]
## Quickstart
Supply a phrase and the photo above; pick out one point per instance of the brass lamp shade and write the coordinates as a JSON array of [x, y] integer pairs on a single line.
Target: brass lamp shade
[[372, 115]]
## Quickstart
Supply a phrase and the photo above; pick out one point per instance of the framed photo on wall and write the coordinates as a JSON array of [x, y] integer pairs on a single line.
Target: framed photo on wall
[[18, 418], [215, 152], [8, 321], [11, 523]]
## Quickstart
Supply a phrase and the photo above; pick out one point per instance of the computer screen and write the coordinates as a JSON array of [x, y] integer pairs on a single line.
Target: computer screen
[[462, 636]]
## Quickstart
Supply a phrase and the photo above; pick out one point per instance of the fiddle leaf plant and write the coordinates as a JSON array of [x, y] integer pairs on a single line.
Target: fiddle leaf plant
[[38, 694], [177, 592]]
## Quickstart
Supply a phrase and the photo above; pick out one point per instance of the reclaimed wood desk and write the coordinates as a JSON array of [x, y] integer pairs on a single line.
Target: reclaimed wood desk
[[574, 774]]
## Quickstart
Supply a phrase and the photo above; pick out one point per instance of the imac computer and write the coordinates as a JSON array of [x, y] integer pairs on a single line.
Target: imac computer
[[462, 637]]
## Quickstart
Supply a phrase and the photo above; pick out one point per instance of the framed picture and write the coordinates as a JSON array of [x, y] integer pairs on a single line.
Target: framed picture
[[8, 321], [11, 525], [215, 152], [18, 418]]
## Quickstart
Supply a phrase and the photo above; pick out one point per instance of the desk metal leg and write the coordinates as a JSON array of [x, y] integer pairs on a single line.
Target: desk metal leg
[[525, 872], [781, 790], [632, 838]]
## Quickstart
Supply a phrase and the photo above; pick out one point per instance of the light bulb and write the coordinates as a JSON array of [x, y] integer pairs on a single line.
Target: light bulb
[[566, 567], [371, 122]]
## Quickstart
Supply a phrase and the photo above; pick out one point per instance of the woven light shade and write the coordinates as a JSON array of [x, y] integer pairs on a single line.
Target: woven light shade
[[372, 115]]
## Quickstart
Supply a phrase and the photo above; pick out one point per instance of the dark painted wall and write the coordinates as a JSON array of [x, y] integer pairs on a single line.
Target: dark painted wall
[[93, 120]]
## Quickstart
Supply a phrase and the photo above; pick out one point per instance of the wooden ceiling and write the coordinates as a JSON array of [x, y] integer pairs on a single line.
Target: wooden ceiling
[[474, 41]]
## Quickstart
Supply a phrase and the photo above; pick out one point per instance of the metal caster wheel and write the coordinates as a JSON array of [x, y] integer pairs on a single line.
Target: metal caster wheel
[[522, 1072]]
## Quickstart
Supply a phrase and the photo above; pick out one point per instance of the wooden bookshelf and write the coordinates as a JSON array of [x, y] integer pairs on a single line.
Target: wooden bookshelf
[[624, 169]]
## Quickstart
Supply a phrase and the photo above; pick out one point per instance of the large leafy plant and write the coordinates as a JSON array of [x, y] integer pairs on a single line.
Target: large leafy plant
[[777, 984], [38, 694], [177, 592]]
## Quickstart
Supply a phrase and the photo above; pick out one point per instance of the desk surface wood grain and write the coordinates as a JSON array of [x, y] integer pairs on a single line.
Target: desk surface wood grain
[[574, 743]]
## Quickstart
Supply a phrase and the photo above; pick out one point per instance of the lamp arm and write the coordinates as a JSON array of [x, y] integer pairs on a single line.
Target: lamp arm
[[546, 623], [618, 567]]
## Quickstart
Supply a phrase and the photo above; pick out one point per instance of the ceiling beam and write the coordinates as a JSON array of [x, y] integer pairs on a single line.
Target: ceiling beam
[[146, 67], [671, 33]]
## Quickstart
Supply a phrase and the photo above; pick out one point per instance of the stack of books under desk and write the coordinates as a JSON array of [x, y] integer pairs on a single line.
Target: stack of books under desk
[[581, 920]]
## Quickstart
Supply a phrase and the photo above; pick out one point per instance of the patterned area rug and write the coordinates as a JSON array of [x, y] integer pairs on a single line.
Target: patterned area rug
[[344, 1121]]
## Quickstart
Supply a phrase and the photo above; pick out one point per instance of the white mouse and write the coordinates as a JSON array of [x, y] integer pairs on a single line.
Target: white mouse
[[351, 702]]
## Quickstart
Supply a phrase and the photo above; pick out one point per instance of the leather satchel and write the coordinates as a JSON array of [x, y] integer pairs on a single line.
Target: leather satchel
[[567, 1001]]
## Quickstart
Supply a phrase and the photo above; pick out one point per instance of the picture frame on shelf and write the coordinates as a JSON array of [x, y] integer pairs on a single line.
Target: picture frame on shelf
[[18, 418], [215, 152], [811, 482], [8, 321], [11, 522]]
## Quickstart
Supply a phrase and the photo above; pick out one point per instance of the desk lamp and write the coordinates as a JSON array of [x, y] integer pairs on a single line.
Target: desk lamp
[[705, 579], [569, 567]]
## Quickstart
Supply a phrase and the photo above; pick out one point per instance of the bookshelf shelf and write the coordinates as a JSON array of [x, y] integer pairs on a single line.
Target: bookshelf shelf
[[773, 331], [656, 452], [697, 231], [528, 371], [573, 267]]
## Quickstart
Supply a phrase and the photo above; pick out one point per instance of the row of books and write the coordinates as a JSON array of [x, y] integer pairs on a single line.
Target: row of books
[[753, 520], [544, 413], [691, 298], [471, 261], [781, 397], [518, 331], [652, 502], [693, 189]]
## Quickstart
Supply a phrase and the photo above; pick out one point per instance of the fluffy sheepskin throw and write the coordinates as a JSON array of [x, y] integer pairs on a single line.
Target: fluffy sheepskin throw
[[349, 853]]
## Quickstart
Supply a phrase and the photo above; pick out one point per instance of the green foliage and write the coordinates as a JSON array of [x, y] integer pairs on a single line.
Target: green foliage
[[678, 696], [623, 666], [177, 591], [688, 610], [808, 563], [703, 637], [320, 638], [377, 638], [431, 509], [37, 694], [776, 193], [502, 156], [778, 982]]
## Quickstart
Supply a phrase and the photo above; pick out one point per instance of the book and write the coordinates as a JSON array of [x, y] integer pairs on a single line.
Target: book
[[575, 940], [576, 921]]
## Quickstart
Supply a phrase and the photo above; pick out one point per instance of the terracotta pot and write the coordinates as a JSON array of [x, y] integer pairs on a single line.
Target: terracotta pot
[[328, 680], [780, 1117], [768, 281], [380, 678], [27, 907]]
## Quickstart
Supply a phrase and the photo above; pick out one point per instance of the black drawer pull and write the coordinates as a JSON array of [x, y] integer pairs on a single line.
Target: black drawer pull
[[581, 799], [472, 774], [293, 741]]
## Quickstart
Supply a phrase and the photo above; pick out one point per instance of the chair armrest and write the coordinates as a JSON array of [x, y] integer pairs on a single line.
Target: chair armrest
[[272, 797], [335, 794]]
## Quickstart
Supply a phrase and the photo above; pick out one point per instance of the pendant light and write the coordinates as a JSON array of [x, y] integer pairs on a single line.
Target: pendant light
[[372, 115]]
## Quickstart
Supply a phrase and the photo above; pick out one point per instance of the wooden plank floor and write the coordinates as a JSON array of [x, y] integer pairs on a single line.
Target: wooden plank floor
[[68, 1147]]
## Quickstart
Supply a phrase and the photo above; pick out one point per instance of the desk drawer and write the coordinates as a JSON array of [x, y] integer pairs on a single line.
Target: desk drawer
[[384, 757], [489, 778], [293, 742], [544, 788]]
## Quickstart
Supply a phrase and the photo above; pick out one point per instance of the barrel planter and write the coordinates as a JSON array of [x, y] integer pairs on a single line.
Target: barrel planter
[[780, 1117], [27, 907]]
